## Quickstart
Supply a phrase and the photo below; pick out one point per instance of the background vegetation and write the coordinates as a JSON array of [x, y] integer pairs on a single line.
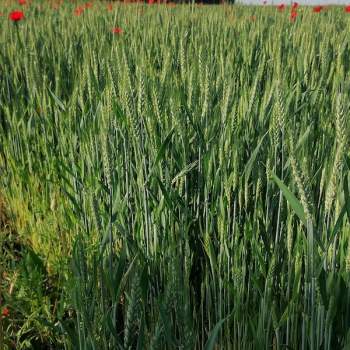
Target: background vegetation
[[182, 184]]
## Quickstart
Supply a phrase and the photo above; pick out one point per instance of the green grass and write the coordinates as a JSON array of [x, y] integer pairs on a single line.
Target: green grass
[[182, 185]]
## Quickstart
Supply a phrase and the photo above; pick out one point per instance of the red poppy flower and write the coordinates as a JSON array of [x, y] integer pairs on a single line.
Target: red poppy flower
[[293, 15], [347, 9], [150, 2], [88, 5], [117, 30], [78, 11], [317, 9], [109, 7], [22, 2], [281, 7], [16, 16], [295, 5], [5, 312]]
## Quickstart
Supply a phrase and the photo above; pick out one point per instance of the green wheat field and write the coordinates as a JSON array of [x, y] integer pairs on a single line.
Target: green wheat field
[[174, 177]]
